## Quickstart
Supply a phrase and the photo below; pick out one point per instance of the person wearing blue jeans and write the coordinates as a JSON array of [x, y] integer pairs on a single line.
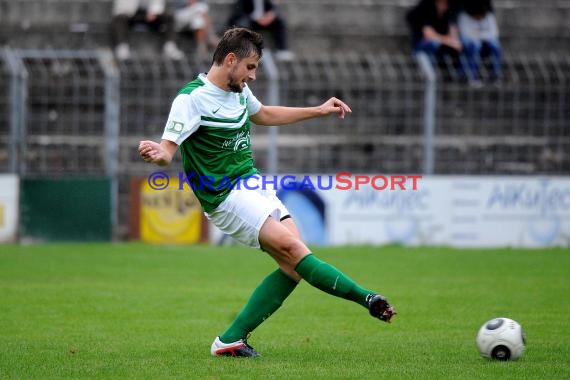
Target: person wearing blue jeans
[[480, 37], [435, 33]]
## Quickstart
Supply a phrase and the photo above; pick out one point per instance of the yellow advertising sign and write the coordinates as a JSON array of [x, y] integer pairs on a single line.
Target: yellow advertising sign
[[9, 207], [169, 215]]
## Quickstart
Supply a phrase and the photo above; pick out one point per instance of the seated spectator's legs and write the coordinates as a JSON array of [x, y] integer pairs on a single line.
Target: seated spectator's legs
[[121, 24], [196, 20], [493, 48], [190, 17], [458, 67], [120, 29], [239, 20], [472, 54], [164, 23], [475, 50], [437, 53], [278, 30], [430, 47]]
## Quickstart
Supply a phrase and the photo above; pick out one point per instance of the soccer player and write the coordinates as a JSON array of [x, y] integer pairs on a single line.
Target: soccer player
[[210, 122]]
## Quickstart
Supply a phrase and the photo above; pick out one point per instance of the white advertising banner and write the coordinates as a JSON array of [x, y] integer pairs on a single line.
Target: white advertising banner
[[9, 207], [470, 211]]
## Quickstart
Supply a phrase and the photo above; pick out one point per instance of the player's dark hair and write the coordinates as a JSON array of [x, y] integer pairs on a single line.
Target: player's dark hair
[[240, 41]]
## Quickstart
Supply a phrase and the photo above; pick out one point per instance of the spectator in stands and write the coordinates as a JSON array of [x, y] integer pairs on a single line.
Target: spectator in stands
[[480, 36], [193, 16], [153, 13], [261, 15], [434, 31]]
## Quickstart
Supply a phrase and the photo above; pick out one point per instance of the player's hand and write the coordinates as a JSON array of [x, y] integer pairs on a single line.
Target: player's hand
[[266, 19], [153, 152], [150, 17], [334, 105], [452, 42]]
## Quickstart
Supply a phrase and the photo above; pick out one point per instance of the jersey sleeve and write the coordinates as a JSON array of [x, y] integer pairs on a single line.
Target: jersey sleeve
[[253, 105], [183, 120]]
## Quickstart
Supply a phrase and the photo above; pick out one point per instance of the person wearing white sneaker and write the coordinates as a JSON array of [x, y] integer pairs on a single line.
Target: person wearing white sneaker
[[123, 51], [153, 13], [210, 122], [239, 348], [171, 51], [285, 55]]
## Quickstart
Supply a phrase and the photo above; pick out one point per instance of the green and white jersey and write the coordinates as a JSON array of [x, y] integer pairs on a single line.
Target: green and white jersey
[[212, 128]]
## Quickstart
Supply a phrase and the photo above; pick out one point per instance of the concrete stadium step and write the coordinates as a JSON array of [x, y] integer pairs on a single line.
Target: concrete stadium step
[[318, 24]]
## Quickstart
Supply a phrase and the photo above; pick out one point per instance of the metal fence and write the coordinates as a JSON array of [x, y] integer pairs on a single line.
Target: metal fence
[[79, 113], [518, 127], [61, 111], [383, 134]]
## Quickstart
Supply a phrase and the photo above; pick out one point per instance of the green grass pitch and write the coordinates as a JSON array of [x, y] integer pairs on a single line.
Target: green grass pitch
[[135, 311]]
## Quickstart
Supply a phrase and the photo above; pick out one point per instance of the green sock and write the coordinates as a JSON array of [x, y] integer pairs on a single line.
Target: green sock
[[264, 301], [330, 280]]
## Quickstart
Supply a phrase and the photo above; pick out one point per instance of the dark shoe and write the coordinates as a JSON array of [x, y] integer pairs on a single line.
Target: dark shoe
[[380, 308], [239, 348]]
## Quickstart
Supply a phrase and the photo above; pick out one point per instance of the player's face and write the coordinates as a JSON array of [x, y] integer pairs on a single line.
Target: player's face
[[241, 72]]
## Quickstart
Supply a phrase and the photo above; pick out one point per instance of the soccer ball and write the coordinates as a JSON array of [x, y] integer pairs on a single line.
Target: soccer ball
[[501, 339]]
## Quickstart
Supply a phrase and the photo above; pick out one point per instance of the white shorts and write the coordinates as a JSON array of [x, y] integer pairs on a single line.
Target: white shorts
[[192, 17], [242, 214]]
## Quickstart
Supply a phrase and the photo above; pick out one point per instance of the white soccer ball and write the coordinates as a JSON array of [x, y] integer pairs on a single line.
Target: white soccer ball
[[501, 339]]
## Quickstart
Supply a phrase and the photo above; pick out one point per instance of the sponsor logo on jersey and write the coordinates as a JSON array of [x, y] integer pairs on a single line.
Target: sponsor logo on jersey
[[240, 141]]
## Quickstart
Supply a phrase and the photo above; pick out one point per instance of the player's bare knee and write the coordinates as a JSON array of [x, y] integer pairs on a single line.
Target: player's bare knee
[[291, 249]]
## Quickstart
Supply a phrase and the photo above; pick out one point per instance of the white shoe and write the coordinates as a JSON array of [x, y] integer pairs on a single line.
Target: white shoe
[[284, 55], [123, 52], [475, 83], [238, 348], [171, 51]]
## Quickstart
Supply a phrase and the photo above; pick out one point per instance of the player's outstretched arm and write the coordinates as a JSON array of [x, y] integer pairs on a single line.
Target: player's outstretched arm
[[155, 153], [278, 115]]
